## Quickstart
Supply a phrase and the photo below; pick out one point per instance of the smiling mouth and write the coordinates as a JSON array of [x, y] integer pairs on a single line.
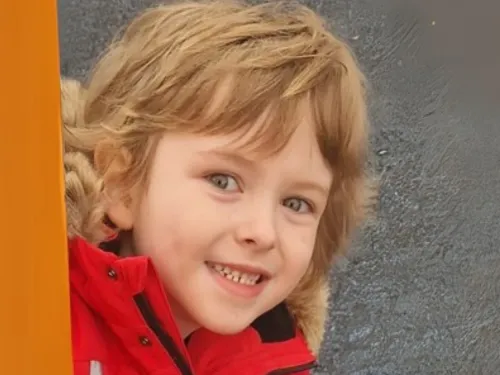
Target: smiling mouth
[[244, 278]]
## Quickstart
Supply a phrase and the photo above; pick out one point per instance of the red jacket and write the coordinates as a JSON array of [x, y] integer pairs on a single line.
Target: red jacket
[[122, 325]]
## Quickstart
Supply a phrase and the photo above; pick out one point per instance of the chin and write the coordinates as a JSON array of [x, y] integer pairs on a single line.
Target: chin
[[226, 326]]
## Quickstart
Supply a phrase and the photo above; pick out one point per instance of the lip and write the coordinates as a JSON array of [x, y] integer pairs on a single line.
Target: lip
[[236, 289]]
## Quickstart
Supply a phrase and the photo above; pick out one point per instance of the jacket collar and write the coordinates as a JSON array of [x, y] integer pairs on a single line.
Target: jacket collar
[[128, 275], [113, 286], [128, 295]]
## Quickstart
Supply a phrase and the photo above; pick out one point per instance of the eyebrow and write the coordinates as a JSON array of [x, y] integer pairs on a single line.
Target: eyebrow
[[313, 186], [231, 157]]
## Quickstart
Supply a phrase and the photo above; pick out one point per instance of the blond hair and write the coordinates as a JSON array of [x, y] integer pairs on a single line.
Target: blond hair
[[161, 73]]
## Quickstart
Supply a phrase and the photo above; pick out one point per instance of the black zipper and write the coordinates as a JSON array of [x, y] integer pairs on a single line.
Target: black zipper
[[166, 341], [294, 370]]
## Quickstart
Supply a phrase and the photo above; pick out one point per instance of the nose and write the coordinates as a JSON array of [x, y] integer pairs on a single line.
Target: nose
[[258, 230]]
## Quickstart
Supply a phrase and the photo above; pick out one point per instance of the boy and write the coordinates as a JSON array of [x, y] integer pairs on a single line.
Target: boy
[[214, 167]]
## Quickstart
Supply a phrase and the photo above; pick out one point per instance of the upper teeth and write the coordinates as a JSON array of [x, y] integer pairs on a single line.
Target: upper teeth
[[237, 276]]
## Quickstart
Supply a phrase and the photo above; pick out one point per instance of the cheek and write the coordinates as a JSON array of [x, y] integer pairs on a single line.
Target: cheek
[[300, 250], [153, 231], [174, 224], [155, 219], [297, 255], [161, 235]]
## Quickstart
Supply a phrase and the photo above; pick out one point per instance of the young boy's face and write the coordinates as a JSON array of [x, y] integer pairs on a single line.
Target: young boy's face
[[230, 233]]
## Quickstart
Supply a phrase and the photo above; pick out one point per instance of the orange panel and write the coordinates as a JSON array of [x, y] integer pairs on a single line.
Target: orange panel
[[34, 308]]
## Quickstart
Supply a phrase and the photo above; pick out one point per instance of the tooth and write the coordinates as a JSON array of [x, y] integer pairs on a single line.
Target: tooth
[[236, 276]]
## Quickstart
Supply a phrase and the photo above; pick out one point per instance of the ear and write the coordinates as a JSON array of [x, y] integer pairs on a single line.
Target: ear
[[121, 215], [113, 164]]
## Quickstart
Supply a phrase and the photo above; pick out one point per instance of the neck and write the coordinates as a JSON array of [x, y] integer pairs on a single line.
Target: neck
[[126, 245], [184, 323]]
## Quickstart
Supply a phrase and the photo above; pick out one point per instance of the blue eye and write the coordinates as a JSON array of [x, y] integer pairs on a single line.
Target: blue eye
[[298, 205], [223, 182]]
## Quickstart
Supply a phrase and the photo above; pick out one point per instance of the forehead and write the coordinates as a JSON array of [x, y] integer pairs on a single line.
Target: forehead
[[297, 155], [300, 144]]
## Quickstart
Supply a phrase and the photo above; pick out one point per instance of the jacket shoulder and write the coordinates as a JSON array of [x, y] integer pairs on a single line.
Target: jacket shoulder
[[87, 332], [272, 344], [94, 347]]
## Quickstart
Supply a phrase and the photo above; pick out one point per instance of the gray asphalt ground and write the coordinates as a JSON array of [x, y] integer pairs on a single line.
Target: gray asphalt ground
[[420, 292]]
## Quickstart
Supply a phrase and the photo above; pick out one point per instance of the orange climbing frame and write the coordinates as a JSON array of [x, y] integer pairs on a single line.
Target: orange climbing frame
[[34, 307]]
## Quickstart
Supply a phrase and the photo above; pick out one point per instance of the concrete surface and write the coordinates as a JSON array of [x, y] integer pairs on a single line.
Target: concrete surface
[[420, 293]]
